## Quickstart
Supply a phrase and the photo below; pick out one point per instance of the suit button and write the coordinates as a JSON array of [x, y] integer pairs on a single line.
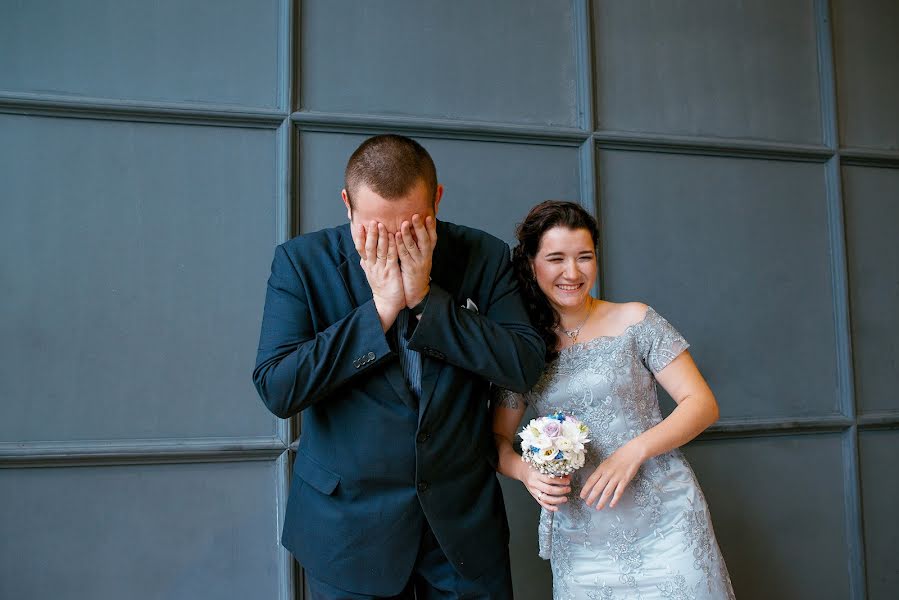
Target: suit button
[[423, 486], [370, 356], [356, 363], [422, 437]]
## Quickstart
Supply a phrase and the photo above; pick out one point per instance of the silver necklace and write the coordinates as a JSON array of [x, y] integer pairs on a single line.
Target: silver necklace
[[573, 333]]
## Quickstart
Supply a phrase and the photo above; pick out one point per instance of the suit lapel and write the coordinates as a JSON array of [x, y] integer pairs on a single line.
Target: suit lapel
[[360, 292], [447, 270]]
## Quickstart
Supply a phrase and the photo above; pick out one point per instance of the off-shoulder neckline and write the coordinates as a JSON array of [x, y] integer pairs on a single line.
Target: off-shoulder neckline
[[587, 343]]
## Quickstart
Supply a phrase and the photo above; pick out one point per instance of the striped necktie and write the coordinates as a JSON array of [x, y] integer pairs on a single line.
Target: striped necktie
[[410, 360]]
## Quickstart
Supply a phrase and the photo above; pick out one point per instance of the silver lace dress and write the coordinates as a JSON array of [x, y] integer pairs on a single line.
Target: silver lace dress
[[658, 541]]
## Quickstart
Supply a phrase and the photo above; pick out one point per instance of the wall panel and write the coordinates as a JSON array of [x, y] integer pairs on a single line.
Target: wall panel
[[880, 488], [137, 261], [708, 68], [777, 509], [872, 236], [502, 61], [140, 532], [734, 253], [866, 47], [208, 51]]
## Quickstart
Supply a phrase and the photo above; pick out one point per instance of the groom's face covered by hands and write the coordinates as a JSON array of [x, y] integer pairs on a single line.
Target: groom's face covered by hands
[[368, 206], [395, 239]]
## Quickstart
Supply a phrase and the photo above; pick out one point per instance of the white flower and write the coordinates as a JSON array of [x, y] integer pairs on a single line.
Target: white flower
[[574, 431], [564, 444], [533, 436], [577, 460], [542, 456], [527, 438], [547, 453]]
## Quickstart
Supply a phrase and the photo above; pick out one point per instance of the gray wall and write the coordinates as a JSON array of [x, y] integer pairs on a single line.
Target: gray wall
[[743, 159]]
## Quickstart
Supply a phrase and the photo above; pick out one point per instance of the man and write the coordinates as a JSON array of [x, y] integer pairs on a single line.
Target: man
[[386, 332]]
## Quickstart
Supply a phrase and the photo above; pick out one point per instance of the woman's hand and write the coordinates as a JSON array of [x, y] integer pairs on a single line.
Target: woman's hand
[[548, 491], [612, 476]]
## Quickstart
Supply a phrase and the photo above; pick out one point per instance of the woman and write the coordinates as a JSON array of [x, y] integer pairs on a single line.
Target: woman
[[632, 523]]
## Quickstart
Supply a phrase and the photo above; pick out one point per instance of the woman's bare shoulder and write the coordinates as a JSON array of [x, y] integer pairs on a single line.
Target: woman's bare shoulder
[[628, 313]]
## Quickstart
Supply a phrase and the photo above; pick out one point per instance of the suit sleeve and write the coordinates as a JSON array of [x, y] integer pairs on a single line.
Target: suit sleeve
[[498, 343], [296, 366]]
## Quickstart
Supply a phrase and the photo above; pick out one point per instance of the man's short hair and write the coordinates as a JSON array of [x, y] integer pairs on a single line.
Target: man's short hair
[[390, 165]]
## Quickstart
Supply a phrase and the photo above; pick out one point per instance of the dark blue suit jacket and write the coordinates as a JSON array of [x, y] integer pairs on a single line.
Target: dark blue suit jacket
[[373, 462]]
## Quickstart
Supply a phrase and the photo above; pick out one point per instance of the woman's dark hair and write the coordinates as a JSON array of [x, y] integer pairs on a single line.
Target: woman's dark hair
[[541, 218]]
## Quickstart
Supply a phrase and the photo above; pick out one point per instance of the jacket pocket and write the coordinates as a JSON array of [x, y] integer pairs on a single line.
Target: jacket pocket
[[314, 474]]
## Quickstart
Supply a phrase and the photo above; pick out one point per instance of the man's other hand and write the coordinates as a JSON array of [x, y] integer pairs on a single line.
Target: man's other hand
[[415, 243]]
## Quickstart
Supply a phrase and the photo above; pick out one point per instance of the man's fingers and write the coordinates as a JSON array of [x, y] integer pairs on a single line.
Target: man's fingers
[[391, 248], [358, 232], [421, 232], [431, 225], [383, 243], [400, 244], [371, 242], [409, 241]]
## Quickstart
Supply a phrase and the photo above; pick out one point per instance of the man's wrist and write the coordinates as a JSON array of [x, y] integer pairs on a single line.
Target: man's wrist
[[419, 306], [387, 312]]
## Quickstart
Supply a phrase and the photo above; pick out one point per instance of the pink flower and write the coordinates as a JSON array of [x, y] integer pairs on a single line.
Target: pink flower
[[552, 428]]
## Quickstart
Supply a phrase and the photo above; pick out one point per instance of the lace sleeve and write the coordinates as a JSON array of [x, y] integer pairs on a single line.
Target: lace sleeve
[[658, 341], [503, 397]]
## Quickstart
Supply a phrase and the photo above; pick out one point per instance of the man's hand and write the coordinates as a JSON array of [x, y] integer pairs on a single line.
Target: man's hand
[[415, 254], [378, 258]]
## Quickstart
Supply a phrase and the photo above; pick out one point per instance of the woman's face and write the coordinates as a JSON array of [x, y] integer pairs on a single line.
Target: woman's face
[[565, 267]]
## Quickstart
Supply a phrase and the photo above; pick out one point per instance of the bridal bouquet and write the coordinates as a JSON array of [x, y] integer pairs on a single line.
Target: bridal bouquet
[[554, 444]]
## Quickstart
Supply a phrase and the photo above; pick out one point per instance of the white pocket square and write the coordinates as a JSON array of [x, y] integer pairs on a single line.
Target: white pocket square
[[470, 305]]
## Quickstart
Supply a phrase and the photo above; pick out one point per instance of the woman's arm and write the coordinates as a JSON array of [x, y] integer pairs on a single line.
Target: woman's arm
[[548, 491], [696, 410]]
